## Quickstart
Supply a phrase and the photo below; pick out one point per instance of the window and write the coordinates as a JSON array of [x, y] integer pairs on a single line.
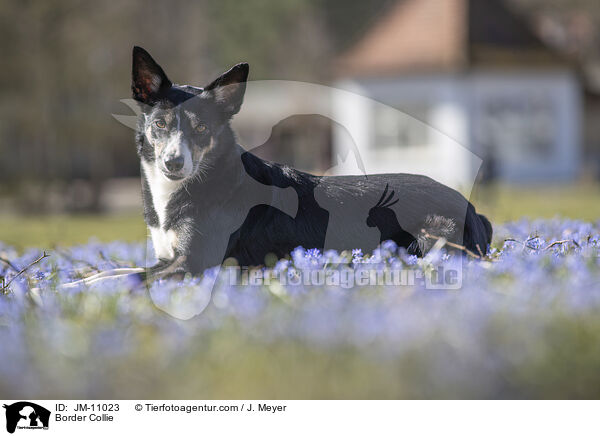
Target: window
[[401, 127]]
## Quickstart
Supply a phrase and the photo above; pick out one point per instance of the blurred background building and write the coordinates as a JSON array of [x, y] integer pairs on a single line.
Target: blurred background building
[[474, 71], [514, 81]]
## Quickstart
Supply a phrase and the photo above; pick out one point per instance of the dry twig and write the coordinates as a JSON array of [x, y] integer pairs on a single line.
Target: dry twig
[[564, 241], [9, 263], [43, 256], [452, 244], [74, 260]]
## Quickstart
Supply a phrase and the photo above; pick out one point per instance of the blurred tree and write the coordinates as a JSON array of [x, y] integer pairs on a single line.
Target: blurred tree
[[572, 26], [66, 64]]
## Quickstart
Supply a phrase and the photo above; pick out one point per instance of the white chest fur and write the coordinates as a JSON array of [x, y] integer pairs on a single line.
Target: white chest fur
[[164, 242], [161, 189]]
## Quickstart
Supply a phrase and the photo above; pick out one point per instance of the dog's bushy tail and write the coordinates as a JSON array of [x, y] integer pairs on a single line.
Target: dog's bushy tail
[[488, 227], [478, 232]]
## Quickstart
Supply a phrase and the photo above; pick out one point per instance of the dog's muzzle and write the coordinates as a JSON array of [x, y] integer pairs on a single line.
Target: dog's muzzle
[[175, 164], [173, 167]]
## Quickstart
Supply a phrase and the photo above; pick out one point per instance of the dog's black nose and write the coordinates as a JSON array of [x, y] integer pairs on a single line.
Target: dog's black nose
[[175, 164]]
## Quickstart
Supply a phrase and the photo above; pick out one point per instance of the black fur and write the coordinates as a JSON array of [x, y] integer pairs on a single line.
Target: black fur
[[203, 210]]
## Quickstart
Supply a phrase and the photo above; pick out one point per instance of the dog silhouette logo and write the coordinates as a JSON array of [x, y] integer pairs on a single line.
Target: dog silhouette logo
[[26, 415], [385, 219]]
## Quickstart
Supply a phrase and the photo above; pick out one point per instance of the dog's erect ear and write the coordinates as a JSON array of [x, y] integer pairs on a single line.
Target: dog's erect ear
[[148, 80], [228, 90]]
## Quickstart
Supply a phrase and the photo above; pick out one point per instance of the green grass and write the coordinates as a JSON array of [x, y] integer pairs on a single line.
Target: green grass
[[522, 349], [226, 363], [507, 203], [499, 203], [46, 232]]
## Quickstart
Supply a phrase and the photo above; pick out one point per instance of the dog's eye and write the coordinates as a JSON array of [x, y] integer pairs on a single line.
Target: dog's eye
[[160, 124], [200, 128]]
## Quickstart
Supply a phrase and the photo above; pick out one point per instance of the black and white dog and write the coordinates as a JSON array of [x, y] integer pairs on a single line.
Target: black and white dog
[[206, 199]]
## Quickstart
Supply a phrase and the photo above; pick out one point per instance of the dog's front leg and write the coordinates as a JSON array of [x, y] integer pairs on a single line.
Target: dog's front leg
[[175, 268], [193, 255]]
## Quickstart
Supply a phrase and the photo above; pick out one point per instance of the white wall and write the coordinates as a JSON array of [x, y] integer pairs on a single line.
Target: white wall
[[529, 119], [444, 155]]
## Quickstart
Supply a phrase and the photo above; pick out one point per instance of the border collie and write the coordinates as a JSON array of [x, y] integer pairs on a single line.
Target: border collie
[[206, 199]]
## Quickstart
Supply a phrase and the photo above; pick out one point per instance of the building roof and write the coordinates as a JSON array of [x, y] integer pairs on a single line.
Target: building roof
[[445, 35]]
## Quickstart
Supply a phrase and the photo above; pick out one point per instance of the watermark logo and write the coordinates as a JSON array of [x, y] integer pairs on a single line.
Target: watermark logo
[[435, 277], [24, 415]]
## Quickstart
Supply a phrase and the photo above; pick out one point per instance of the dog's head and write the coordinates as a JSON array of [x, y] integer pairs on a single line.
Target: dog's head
[[179, 123]]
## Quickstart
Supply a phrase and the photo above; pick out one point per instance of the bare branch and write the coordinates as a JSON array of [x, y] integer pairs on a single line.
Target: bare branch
[[43, 256], [452, 244], [564, 241], [479, 249], [9, 263], [514, 240], [119, 263], [74, 260]]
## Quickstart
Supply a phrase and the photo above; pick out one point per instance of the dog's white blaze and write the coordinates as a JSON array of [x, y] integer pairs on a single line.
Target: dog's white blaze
[[177, 146], [161, 189]]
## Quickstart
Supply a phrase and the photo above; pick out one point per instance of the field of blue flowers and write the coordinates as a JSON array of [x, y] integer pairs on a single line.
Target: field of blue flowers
[[524, 324]]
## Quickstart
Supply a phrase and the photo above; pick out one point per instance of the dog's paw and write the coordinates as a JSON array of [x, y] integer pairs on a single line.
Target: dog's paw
[[174, 275]]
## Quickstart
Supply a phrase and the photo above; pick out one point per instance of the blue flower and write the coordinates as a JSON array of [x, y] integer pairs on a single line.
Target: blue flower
[[507, 303]]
